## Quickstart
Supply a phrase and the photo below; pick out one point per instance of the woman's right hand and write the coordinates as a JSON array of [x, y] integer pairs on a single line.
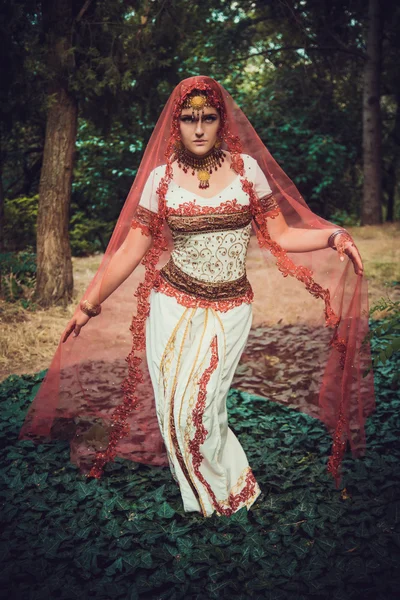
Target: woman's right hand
[[75, 325]]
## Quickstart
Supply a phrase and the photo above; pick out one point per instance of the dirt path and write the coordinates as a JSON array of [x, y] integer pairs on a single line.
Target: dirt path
[[28, 339]]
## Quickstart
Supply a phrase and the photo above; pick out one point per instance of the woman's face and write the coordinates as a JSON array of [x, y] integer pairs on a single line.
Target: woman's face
[[199, 133]]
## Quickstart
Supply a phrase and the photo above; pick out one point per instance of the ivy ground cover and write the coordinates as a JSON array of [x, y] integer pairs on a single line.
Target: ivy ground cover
[[126, 536]]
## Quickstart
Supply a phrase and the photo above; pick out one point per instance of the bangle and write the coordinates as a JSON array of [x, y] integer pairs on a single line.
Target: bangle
[[333, 235], [91, 310]]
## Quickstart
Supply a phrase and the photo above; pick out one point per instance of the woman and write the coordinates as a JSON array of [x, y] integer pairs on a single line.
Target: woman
[[205, 179]]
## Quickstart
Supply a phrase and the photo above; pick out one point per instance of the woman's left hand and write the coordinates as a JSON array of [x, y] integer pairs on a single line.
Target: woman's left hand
[[344, 244]]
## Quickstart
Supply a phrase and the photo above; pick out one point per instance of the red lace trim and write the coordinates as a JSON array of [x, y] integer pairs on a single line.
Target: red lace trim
[[178, 450], [287, 267], [138, 225], [119, 425], [161, 285], [249, 489], [145, 219], [193, 209]]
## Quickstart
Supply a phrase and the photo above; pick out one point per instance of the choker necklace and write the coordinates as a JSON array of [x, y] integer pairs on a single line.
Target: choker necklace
[[202, 165]]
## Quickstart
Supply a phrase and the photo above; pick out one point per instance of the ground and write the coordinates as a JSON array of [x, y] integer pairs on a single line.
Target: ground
[[28, 339]]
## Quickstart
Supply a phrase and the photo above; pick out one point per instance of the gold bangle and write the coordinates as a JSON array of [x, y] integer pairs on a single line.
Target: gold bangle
[[333, 235], [91, 310]]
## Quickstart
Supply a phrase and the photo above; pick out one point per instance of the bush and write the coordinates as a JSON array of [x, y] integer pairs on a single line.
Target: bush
[[344, 219], [385, 337], [88, 236], [18, 276], [20, 216]]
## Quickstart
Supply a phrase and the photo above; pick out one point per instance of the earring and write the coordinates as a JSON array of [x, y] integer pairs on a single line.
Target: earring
[[178, 145], [218, 143]]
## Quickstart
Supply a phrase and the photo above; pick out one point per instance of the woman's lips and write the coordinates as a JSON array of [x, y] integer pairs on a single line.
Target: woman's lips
[[200, 142]]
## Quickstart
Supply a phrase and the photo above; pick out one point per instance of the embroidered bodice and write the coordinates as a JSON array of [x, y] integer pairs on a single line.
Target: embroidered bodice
[[210, 237]]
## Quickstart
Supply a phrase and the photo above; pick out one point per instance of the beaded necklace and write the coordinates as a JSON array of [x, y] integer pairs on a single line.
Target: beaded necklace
[[203, 166]]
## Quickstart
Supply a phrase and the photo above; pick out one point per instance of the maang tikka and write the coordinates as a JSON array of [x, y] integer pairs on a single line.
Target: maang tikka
[[202, 165]]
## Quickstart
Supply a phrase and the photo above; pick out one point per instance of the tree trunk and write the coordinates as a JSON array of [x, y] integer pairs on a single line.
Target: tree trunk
[[371, 210], [2, 241], [2, 199], [391, 178], [54, 267]]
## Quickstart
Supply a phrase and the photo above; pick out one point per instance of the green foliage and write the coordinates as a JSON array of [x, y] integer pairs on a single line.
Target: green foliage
[[18, 276], [344, 219], [88, 236], [385, 337], [127, 536], [20, 216], [296, 73]]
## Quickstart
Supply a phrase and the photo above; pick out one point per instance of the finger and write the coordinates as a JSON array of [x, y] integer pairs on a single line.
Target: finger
[[77, 330], [67, 332], [357, 259], [357, 262]]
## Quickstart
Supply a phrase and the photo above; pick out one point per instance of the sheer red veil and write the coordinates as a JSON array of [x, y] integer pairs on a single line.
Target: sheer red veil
[[97, 393]]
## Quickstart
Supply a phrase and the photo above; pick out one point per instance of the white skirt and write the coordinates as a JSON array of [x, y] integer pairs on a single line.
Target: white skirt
[[192, 355]]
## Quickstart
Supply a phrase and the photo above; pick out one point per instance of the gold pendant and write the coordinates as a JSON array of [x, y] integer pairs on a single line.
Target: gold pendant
[[203, 177]]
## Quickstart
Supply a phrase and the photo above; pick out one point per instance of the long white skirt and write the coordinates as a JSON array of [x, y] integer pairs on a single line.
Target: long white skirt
[[192, 355]]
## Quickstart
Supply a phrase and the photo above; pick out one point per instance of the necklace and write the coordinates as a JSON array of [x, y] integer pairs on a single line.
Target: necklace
[[202, 165]]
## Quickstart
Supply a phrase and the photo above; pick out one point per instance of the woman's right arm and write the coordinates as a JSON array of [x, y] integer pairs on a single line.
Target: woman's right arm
[[122, 264]]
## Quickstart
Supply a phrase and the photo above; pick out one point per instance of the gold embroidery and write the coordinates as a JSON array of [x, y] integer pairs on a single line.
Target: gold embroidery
[[172, 431], [203, 289], [268, 203], [213, 257], [194, 379], [209, 223], [145, 219], [167, 357]]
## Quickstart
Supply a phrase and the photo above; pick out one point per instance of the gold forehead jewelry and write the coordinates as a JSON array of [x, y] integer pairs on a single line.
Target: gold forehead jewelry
[[197, 102]]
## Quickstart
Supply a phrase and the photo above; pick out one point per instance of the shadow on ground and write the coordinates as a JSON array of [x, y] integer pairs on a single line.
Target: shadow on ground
[[126, 536]]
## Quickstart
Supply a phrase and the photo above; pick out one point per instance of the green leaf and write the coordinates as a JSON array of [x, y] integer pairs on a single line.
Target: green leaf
[[115, 567], [165, 511], [309, 527]]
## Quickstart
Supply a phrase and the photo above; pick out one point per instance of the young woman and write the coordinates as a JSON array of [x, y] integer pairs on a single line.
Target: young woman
[[205, 179]]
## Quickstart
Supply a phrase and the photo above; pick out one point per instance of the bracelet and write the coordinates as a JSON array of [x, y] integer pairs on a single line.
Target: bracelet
[[333, 235], [91, 310]]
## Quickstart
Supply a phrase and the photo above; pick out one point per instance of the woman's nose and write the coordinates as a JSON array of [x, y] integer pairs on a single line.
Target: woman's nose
[[199, 128]]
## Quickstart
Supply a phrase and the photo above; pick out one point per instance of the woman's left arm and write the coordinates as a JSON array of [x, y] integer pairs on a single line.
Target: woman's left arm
[[292, 239]]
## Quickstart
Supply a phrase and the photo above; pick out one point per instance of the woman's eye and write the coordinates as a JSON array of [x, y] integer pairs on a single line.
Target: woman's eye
[[188, 119]]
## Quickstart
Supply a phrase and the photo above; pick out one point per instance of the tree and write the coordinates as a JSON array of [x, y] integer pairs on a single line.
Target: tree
[[101, 57], [372, 128], [54, 267]]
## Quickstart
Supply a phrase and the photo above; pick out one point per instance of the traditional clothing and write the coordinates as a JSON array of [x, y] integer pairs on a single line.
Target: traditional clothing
[[200, 318], [192, 320]]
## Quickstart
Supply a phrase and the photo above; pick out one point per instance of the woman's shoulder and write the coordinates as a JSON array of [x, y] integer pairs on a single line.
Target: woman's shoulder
[[248, 160], [157, 173], [250, 166]]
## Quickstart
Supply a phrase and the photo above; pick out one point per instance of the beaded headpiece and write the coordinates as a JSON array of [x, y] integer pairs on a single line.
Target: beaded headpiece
[[197, 102]]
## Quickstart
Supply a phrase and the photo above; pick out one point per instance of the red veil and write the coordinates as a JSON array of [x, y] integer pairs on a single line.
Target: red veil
[[97, 393]]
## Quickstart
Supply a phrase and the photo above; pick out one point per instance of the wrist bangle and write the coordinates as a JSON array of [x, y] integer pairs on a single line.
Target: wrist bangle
[[91, 310], [333, 235]]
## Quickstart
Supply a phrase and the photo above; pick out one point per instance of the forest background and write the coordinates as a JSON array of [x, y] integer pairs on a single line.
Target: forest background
[[83, 83]]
